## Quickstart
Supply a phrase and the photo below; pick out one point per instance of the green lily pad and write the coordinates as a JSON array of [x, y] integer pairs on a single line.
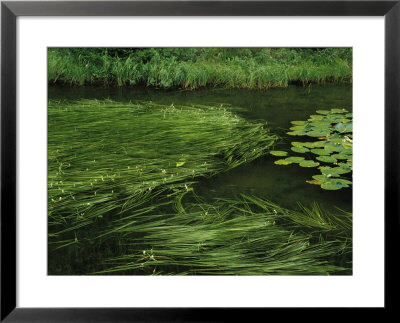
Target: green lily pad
[[298, 123], [348, 146], [334, 171], [338, 110], [300, 149], [317, 144], [321, 178], [346, 166], [282, 162], [340, 156], [298, 128], [324, 112], [314, 182], [335, 184], [334, 118], [298, 144], [314, 117], [320, 125], [278, 153], [331, 148], [295, 159], [321, 152], [327, 159], [308, 163], [318, 133], [296, 133], [331, 186], [344, 127], [336, 140]]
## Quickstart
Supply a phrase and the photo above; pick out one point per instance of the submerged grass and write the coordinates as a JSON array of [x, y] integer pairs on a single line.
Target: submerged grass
[[245, 236], [121, 197], [107, 157], [190, 68]]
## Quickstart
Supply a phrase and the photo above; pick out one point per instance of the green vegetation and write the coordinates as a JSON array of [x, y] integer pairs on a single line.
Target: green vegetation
[[108, 158], [190, 68], [245, 236], [133, 187], [334, 131], [122, 197]]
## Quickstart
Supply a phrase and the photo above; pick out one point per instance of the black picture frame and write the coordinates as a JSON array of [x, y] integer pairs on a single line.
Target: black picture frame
[[10, 10]]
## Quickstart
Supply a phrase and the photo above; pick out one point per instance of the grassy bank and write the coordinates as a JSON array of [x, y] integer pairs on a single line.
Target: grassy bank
[[190, 68]]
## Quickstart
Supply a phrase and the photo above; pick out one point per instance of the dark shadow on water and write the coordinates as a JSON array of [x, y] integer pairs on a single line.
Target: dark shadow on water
[[284, 185]]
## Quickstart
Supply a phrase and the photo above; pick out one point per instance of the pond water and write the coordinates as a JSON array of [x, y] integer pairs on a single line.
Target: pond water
[[284, 185]]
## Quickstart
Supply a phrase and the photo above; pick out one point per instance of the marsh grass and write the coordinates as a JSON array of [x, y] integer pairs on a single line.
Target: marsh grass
[[191, 68]]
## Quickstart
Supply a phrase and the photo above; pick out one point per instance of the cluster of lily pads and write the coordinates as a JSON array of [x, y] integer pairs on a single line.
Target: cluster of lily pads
[[331, 150]]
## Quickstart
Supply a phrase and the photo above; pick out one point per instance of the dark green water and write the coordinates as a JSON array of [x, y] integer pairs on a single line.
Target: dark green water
[[284, 185]]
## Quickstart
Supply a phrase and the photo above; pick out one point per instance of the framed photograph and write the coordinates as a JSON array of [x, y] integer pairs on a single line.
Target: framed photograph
[[197, 160]]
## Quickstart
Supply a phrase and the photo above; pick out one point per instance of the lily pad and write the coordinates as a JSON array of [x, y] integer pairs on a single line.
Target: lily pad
[[300, 149], [298, 128], [308, 163], [334, 171], [296, 133], [335, 184], [321, 152], [298, 123], [346, 166], [333, 148], [348, 146], [324, 112], [282, 162], [336, 140], [321, 178], [318, 133], [317, 144], [331, 186], [298, 144], [314, 117], [295, 159], [327, 159], [338, 110], [340, 156], [344, 127], [313, 181], [278, 153], [320, 125]]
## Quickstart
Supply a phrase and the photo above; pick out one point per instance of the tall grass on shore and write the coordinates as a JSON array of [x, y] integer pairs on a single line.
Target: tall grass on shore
[[108, 159], [190, 68], [244, 236]]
